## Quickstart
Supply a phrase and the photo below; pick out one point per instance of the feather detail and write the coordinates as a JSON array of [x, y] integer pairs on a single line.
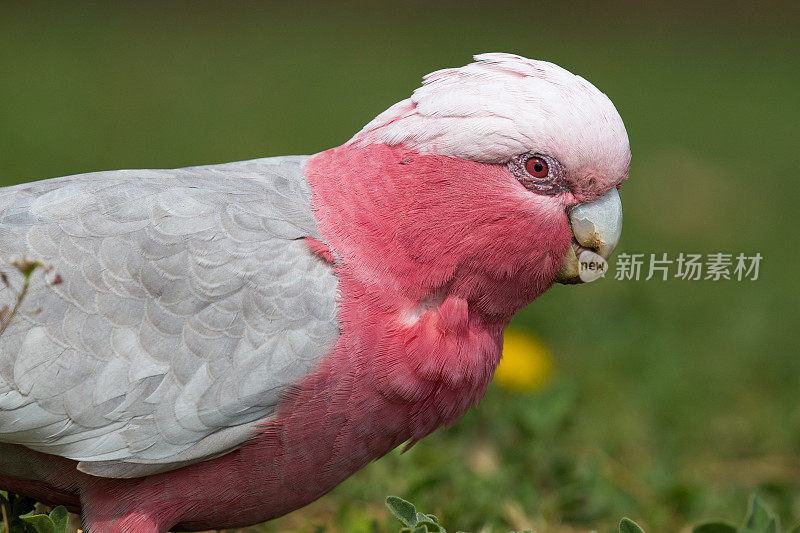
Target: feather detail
[[189, 303]]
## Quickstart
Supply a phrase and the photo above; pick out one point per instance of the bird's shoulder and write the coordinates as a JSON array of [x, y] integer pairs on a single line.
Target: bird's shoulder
[[189, 303]]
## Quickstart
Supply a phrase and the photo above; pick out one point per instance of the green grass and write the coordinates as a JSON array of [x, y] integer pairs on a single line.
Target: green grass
[[674, 399]]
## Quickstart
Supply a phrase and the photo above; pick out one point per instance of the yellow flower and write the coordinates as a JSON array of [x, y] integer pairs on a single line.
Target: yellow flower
[[526, 363]]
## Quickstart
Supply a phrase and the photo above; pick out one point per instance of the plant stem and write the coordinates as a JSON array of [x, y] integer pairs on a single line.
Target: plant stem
[[23, 291], [3, 507]]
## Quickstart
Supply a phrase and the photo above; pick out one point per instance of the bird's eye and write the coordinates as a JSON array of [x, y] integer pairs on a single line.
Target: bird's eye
[[541, 174], [537, 167]]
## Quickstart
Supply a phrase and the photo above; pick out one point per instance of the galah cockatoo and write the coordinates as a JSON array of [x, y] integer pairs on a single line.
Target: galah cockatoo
[[232, 341]]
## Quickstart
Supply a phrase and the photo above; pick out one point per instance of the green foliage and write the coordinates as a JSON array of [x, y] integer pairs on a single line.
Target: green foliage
[[19, 513], [715, 527], [626, 525], [414, 521], [760, 519], [55, 522], [19, 516], [13, 506]]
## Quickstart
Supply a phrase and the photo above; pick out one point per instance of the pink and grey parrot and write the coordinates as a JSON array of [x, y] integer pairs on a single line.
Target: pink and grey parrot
[[232, 341]]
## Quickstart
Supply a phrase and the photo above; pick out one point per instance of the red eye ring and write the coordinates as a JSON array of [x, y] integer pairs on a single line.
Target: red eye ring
[[537, 167]]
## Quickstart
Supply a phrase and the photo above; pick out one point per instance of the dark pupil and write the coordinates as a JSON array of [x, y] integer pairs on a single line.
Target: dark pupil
[[538, 167]]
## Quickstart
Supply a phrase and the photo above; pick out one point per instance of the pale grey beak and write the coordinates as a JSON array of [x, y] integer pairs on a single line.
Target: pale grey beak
[[596, 227]]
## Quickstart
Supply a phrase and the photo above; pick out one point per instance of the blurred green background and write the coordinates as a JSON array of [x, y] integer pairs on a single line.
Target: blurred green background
[[672, 400]]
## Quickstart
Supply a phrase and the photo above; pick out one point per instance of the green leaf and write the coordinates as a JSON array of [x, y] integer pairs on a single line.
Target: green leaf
[[431, 526], [626, 525], [41, 522], [60, 519], [402, 510], [432, 518], [715, 527], [760, 518], [420, 529]]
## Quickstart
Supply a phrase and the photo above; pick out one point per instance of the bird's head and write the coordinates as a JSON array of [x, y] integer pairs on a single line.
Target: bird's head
[[518, 159], [556, 133]]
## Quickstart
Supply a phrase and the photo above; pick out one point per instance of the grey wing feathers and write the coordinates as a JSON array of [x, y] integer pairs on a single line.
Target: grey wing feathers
[[189, 304]]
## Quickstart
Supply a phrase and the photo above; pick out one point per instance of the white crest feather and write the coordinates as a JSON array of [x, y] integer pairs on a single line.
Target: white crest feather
[[505, 105]]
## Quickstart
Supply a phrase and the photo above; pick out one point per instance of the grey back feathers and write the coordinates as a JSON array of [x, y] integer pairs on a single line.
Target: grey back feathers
[[189, 304]]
